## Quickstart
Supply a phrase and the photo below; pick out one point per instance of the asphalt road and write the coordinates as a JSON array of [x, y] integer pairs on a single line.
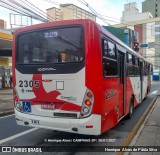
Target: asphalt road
[[13, 135]]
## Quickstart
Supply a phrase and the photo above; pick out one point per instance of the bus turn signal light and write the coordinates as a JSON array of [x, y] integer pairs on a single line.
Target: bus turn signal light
[[87, 104], [89, 94]]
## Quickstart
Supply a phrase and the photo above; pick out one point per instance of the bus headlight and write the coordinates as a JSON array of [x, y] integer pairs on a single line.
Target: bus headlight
[[87, 104]]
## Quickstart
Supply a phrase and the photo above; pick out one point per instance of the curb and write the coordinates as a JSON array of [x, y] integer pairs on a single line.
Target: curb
[[6, 112], [131, 135]]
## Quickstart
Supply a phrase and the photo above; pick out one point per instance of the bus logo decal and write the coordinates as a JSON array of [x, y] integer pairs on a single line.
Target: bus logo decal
[[69, 98], [22, 90], [110, 94]]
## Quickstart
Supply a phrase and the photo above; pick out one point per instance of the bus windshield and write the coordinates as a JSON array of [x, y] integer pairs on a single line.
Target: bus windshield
[[56, 45]]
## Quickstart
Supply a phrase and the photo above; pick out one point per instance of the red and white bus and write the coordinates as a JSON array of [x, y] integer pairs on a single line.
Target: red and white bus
[[75, 76]]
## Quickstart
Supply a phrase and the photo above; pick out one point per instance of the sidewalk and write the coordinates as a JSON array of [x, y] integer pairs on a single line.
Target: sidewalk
[[149, 132], [6, 101]]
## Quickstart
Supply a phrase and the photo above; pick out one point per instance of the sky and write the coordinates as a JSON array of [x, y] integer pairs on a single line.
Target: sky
[[110, 9]]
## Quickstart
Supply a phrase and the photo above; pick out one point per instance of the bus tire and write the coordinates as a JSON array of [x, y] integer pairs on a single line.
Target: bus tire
[[131, 108]]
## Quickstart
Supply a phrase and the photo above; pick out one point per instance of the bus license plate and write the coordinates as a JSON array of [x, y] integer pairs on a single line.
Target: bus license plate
[[48, 106]]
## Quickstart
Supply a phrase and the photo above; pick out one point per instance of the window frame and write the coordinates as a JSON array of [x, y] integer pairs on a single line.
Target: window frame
[[47, 29], [136, 66], [103, 39]]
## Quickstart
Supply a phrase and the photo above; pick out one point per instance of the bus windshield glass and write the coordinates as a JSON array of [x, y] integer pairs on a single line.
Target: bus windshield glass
[[58, 45]]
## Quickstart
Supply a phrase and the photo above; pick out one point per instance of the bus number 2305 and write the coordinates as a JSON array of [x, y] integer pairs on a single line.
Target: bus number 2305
[[30, 83]]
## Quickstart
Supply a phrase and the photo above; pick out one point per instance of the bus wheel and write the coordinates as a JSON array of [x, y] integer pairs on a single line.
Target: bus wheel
[[131, 107]]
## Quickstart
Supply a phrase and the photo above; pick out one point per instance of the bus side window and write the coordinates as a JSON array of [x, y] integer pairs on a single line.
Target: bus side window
[[111, 50], [130, 59], [145, 70], [136, 67], [109, 59], [130, 67], [105, 44], [110, 67]]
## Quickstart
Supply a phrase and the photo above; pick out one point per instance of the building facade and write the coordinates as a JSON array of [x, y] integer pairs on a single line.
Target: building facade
[[69, 11], [132, 14], [126, 35], [144, 35], [3, 24], [6, 39], [153, 6]]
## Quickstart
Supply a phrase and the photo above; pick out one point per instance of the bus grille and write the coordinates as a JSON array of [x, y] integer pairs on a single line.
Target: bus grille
[[70, 115]]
